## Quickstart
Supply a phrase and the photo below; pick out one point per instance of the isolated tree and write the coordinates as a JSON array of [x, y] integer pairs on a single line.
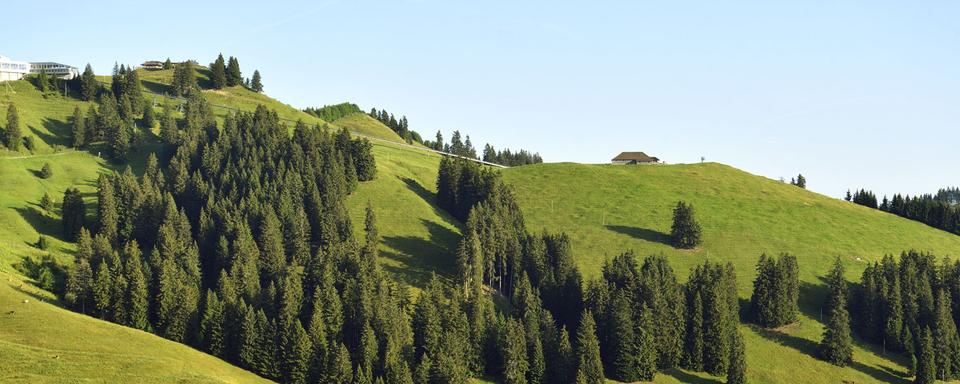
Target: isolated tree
[[88, 84], [685, 232], [737, 371], [801, 182], [46, 202], [77, 128], [46, 172], [218, 72], [13, 134], [256, 84], [837, 344], [167, 64]]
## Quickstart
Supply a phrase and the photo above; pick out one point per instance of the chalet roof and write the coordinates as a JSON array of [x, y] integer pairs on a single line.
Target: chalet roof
[[639, 157]]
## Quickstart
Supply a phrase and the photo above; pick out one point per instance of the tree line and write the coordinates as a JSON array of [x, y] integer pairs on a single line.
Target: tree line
[[401, 126], [464, 148], [510, 158], [939, 211]]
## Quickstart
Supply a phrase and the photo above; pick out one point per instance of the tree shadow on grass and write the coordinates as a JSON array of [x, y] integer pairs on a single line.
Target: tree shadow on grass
[[42, 223], [883, 374], [642, 233], [800, 344], [686, 377], [812, 298], [422, 256], [155, 87], [429, 197]]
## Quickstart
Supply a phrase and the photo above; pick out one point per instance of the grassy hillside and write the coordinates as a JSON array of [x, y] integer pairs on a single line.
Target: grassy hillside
[[42, 343], [610, 209]]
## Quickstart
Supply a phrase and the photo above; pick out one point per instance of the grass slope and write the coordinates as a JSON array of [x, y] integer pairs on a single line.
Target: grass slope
[[610, 209], [43, 343]]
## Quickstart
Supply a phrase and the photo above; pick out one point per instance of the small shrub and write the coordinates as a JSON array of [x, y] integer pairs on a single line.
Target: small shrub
[[43, 243], [46, 202], [46, 172]]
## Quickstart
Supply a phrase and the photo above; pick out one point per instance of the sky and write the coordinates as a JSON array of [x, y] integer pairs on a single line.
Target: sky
[[850, 94]]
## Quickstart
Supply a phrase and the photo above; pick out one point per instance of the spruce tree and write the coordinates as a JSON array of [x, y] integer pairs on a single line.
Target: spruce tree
[[716, 332], [149, 117], [646, 345], [514, 353], [136, 296], [685, 232], [234, 77], [837, 344], [73, 213], [256, 84], [46, 172], [926, 364], [169, 132], [107, 214], [102, 285], [693, 342], [77, 128], [296, 354], [13, 134], [589, 365], [339, 369], [46, 202], [79, 285], [88, 84], [211, 325], [218, 73], [624, 360], [737, 371]]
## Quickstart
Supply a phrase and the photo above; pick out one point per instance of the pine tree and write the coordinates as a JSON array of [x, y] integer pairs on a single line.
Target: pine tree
[[296, 354], [589, 365], [107, 215], [339, 369], [646, 346], [102, 285], [149, 117], [423, 373], [46, 172], [211, 325], [79, 285], [685, 232], [13, 134], [168, 124], [136, 296], [46, 202], [218, 73], [716, 328], [88, 84], [944, 337], [693, 343], [73, 213], [926, 364], [624, 360], [78, 129], [234, 77], [256, 84], [837, 344], [514, 353], [737, 371]]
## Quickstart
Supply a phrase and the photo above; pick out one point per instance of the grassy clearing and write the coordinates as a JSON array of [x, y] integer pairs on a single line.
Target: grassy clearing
[[609, 209]]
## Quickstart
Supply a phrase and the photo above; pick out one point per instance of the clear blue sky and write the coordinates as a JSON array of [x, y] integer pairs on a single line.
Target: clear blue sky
[[851, 94]]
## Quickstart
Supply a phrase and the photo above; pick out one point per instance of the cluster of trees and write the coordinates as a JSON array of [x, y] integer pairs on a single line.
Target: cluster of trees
[[227, 74], [12, 136], [939, 211], [685, 231], [862, 197], [634, 322], [775, 291], [334, 112], [400, 126], [242, 246], [799, 181], [509, 158], [908, 307], [456, 146], [113, 119], [950, 195]]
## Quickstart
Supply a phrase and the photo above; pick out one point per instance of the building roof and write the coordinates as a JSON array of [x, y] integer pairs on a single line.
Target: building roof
[[639, 157]]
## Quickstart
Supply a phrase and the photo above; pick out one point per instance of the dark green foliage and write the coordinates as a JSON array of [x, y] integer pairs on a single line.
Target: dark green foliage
[[401, 126], [775, 291], [589, 364], [149, 117], [169, 132], [737, 371], [685, 232], [79, 287], [218, 73], [799, 181], [73, 213], [184, 81], [837, 344], [507, 157], [88, 84], [514, 352], [926, 365], [43, 243], [234, 76], [46, 202], [711, 317], [78, 128], [12, 131], [256, 84], [296, 353], [46, 172]]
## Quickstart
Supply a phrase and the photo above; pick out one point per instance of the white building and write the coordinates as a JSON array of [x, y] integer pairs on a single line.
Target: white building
[[62, 71], [12, 70], [16, 70]]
